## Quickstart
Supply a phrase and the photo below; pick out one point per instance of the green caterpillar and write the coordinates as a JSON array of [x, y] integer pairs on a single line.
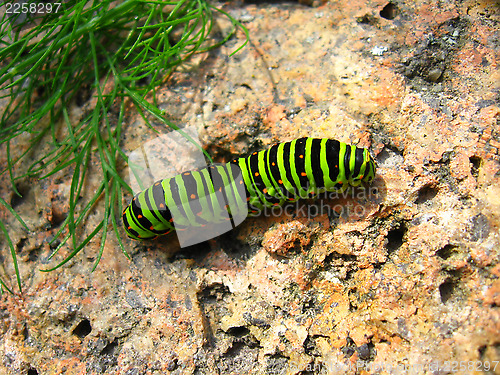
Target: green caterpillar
[[286, 172]]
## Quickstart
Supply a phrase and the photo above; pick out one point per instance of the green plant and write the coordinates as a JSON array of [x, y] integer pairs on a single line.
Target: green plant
[[124, 50]]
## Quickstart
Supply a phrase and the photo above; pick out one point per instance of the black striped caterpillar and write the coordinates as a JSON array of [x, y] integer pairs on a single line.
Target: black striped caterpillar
[[285, 172]]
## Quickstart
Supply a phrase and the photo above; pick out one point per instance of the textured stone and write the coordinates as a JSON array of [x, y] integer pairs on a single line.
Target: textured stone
[[403, 275]]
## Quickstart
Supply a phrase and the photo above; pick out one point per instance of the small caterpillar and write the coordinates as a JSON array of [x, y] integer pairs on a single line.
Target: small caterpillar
[[285, 172]]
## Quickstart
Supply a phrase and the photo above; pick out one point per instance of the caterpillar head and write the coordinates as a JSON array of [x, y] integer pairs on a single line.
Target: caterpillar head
[[371, 169], [364, 168]]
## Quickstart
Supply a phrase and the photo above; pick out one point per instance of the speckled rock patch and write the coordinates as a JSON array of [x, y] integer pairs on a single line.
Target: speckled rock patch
[[407, 280]]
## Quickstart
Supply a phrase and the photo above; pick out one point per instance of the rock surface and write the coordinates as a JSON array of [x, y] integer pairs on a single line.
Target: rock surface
[[405, 277]]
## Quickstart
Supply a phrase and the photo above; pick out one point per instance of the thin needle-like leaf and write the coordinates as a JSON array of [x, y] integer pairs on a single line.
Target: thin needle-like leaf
[[8, 207], [13, 255]]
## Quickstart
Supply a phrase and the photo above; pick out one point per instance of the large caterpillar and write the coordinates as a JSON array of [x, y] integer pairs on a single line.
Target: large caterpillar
[[286, 172]]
